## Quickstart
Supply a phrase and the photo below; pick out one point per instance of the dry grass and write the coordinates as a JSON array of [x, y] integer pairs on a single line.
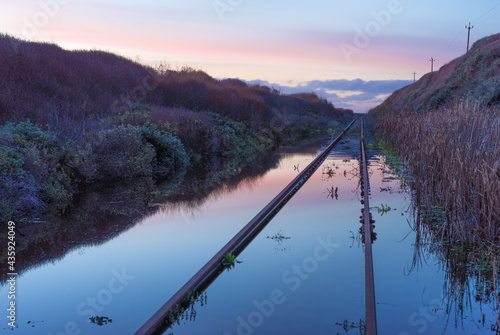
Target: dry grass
[[454, 153]]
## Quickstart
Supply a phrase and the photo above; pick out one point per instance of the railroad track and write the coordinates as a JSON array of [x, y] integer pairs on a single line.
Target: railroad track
[[367, 230], [174, 307]]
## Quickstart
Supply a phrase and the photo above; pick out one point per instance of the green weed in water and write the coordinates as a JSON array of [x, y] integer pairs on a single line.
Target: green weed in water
[[229, 261], [100, 320]]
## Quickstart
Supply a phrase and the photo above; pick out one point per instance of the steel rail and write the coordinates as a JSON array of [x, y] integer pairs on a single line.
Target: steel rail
[[371, 311], [160, 321]]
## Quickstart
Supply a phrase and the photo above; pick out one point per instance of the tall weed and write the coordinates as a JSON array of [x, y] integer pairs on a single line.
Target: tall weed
[[454, 153]]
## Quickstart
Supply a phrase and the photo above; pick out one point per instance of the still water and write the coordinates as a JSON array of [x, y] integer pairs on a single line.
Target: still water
[[303, 274]]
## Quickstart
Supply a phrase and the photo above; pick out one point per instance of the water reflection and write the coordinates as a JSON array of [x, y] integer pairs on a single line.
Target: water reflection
[[104, 211], [186, 313], [412, 267], [280, 240], [470, 288], [308, 285]]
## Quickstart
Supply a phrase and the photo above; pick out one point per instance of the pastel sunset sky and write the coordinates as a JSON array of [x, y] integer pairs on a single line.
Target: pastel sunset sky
[[355, 53]]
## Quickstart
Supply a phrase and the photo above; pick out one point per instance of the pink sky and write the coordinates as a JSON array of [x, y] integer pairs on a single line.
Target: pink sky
[[284, 43]]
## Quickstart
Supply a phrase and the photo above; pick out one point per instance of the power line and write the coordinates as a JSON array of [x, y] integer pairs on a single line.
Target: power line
[[488, 18], [452, 43], [485, 16], [486, 13]]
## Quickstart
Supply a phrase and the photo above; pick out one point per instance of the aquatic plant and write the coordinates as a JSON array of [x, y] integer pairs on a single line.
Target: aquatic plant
[[383, 209], [455, 158], [470, 272], [328, 171], [100, 320], [278, 236], [228, 260], [347, 326], [186, 311], [470, 265], [333, 192]]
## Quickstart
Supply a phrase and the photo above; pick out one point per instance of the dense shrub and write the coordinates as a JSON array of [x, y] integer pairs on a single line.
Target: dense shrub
[[55, 87], [170, 155], [195, 130], [208, 134], [121, 153], [37, 171], [33, 170]]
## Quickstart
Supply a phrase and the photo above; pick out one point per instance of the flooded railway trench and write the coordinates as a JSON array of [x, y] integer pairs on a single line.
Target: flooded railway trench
[[302, 274]]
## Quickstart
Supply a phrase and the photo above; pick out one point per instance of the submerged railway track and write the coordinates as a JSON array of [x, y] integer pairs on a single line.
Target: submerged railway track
[[174, 307], [368, 234]]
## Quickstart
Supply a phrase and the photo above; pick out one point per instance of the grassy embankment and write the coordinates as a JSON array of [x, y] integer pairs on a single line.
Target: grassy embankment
[[446, 128], [455, 158], [68, 119]]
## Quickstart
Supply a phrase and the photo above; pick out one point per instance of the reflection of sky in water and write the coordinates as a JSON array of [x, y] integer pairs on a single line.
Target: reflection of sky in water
[[165, 250]]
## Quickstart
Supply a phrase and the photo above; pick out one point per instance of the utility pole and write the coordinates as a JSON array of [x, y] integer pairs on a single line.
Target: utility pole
[[432, 64], [468, 35], [414, 78]]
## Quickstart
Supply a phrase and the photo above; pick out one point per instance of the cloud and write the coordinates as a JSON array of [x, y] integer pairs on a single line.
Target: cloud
[[358, 95]]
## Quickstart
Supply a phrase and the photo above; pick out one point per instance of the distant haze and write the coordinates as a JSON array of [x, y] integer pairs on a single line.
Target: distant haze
[[321, 46]]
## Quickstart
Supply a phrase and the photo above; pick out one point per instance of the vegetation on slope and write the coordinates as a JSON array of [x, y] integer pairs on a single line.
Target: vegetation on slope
[[446, 128], [475, 74], [72, 118]]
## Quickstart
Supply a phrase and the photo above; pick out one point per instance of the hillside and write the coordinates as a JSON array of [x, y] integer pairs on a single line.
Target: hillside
[[71, 118], [475, 74], [446, 127], [52, 86]]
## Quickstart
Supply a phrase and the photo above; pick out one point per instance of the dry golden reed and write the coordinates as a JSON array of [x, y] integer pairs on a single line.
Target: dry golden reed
[[454, 153]]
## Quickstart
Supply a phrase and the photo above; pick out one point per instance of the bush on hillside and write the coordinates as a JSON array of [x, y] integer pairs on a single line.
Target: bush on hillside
[[170, 155], [33, 169], [36, 171], [120, 152], [206, 134]]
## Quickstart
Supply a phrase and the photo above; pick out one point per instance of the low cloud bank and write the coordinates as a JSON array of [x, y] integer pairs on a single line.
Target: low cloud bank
[[357, 94]]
